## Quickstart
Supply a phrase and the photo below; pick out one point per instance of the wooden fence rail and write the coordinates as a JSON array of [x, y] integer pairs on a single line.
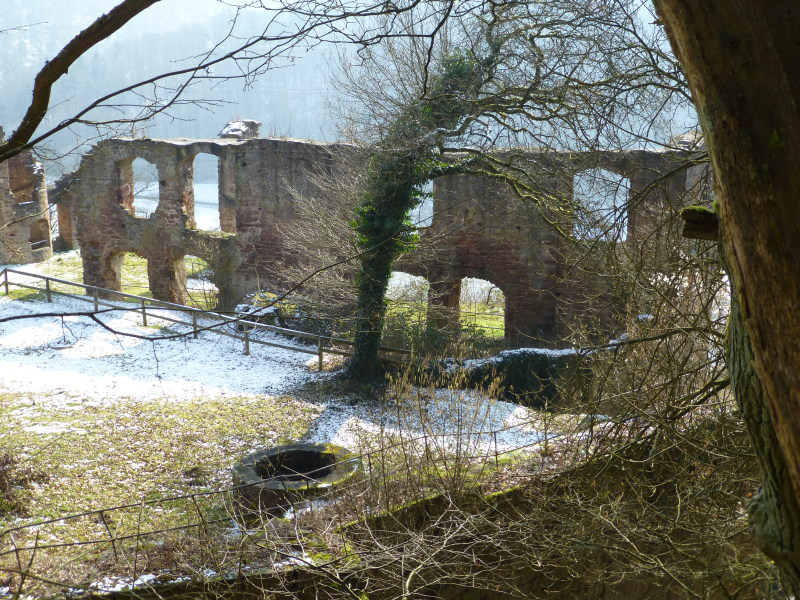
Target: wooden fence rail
[[101, 297]]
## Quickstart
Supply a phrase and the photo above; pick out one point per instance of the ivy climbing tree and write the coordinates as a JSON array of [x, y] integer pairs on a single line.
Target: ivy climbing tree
[[407, 157]]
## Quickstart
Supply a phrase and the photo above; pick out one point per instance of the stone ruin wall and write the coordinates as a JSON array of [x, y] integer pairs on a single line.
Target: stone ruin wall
[[24, 211], [256, 176], [483, 230], [550, 286]]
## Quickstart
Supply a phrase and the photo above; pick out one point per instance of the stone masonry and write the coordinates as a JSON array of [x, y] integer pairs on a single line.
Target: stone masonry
[[24, 212], [97, 212], [487, 232], [483, 230]]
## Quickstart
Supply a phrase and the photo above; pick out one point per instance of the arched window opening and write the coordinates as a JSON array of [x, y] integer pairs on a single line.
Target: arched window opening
[[482, 307], [145, 188], [601, 200], [422, 214], [209, 214], [407, 288], [134, 276], [200, 288]]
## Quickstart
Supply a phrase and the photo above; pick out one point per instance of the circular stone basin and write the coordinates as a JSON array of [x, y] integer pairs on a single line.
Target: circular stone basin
[[273, 479]]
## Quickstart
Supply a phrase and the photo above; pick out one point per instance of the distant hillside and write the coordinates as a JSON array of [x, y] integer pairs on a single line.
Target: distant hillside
[[289, 101]]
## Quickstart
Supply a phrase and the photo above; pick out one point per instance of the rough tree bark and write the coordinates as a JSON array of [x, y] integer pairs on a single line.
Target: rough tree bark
[[774, 512], [740, 58]]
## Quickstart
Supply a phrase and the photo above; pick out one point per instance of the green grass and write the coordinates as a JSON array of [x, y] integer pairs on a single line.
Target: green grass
[[136, 281], [480, 318], [27, 295], [134, 278], [488, 320], [202, 299], [64, 265], [100, 455], [92, 449]]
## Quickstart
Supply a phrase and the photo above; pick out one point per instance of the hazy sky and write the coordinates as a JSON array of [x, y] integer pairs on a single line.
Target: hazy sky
[[290, 101]]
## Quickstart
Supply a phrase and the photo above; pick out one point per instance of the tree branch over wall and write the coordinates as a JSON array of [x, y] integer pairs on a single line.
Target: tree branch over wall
[[53, 70]]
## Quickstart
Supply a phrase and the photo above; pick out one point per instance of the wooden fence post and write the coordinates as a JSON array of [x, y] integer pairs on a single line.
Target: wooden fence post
[[47, 290], [5, 272], [194, 324], [144, 315], [94, 295], [247, 342], [319, 352]]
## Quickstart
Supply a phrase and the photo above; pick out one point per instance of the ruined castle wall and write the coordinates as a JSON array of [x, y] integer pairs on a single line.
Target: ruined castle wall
[[256, 180], [480, 227], [551, 286], [24, 211], [500, 239], [592, 297], [101, 204], [61, 196], [261, 178]]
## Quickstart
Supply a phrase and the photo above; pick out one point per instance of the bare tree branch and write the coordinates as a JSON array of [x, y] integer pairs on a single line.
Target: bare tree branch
[[53, 70]]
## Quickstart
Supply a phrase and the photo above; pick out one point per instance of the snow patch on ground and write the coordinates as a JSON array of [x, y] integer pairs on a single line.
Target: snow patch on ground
[[64, 355], [55, 357], [75, 353]]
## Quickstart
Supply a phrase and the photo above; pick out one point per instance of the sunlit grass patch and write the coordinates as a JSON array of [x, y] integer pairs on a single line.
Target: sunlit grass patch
[[104, 454], [100, 455], [134, 275], [134, 278], [25, 294], [175, 454], [488, 320], [202, 299], [64, 265]]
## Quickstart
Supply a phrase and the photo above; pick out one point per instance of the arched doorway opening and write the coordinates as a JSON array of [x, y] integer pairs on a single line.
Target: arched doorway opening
[[144, 177], [406, 310], [482, 307], [134, 274]]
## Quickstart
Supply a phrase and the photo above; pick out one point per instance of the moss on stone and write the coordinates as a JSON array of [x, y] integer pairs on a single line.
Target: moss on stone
[[697, 213], [700, 222]]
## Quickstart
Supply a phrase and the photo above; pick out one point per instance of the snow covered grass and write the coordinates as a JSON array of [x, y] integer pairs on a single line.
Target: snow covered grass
[[114, 419]]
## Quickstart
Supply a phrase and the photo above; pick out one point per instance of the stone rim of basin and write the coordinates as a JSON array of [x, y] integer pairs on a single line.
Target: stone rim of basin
[[272, 478]]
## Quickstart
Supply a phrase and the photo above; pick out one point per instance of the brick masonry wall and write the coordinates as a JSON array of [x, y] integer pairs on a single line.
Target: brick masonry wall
[[24, 211], [480, 228]]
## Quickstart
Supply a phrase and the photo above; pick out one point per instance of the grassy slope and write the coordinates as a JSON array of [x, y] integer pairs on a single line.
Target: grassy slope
[[102, 454]]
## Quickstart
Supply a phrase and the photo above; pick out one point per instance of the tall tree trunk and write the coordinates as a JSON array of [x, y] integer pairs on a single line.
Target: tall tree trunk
[[774, 510], [376, 270], [741, 60], [383, 235], [405, 158]]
